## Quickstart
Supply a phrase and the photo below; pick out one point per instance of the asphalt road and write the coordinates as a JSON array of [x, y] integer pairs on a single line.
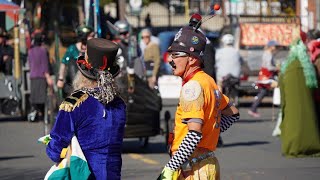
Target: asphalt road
[[249, 152]]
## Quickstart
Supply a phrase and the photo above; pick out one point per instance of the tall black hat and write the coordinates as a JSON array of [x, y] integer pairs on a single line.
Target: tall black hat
[[189, 40], [101, 55]]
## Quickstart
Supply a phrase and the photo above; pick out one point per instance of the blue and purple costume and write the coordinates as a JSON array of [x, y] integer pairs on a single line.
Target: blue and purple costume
[[99, 129]]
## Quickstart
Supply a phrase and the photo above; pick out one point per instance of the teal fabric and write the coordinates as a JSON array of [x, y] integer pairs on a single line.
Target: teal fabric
[[61, 174], [71, 54], [79, 168]]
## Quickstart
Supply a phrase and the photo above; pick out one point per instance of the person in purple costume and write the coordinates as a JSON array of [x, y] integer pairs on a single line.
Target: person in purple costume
[[94, 113], [39, 77]]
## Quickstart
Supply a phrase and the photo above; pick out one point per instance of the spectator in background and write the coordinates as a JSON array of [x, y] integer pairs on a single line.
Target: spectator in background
[[299, 128], [151, 56], [6, 53], [143, 45], [129, 58], [39, 76], [147, 21], [68, 66], [267, 72], [228, 60]]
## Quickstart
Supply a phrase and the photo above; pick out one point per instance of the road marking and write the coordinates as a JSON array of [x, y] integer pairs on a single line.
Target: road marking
[[143, 159]]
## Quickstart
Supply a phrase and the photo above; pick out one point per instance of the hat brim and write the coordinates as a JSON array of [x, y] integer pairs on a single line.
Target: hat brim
[[92, 73], [177, 47]]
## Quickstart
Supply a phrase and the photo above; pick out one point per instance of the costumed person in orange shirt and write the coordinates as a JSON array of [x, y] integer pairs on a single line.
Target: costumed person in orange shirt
[[203, 112]]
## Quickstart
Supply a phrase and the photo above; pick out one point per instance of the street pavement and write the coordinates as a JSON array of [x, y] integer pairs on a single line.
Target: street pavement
[[249, 151]]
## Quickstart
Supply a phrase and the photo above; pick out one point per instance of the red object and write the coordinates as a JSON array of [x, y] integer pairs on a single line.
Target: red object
[[303, 36], [170, 138], [314, 49], [84, 62], [165, 57], [196, 16], [185, 80], [11, 10], [216, 7], [105, 61], [244, 77], [264, 74]]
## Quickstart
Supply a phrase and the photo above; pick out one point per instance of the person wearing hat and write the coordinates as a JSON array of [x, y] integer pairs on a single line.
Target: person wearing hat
[[6, 53], [94, 113], [128, 54], [209, 59], [228, 60], [268, 71], [68, 66], [39, 77], [198, 120]]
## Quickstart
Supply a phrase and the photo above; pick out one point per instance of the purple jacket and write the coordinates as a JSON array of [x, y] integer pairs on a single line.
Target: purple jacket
[[38, 62]]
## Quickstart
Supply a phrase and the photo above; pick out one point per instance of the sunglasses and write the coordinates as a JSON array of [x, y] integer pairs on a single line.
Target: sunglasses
[[143, 37], [175, 55]]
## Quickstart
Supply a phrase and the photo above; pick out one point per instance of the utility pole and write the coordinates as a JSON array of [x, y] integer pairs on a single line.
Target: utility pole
[[186, 9], [121, 9], [169, 16], [81, 14]]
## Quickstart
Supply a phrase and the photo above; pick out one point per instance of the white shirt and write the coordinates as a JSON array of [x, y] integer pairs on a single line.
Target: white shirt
[[227, 62]]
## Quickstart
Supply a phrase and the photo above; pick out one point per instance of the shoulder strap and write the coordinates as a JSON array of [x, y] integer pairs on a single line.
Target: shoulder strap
[[73, 101]]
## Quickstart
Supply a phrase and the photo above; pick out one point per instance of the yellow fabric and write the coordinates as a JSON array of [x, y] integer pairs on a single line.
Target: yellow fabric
[[63, 153], [208, 113], [208, 169], [68, 106], [175, 175], [167, 174]]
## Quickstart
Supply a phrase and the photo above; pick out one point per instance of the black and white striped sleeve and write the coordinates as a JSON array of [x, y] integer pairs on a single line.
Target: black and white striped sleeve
[[186, 148], [227, 121]]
